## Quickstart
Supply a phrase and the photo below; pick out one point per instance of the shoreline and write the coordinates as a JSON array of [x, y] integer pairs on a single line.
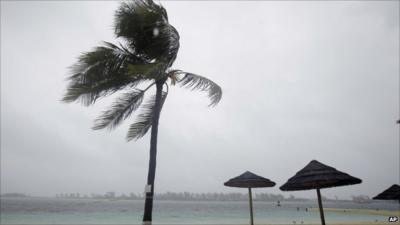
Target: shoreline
[[341, 223], [360, 211]]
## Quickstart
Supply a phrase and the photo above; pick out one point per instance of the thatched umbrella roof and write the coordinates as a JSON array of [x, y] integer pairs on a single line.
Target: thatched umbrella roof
[[392, 193], [317, 176], [249, 180]]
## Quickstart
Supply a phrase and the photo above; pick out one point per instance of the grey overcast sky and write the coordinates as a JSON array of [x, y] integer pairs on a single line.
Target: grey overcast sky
[[301, 81]]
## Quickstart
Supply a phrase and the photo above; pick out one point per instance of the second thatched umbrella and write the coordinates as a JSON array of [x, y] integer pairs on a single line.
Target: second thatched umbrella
[[317, 176], [392, 193], [249, 180]]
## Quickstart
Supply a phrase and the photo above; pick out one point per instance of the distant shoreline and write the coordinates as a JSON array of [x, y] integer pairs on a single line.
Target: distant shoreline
[[199, 200], [341, 223], [185, 196]]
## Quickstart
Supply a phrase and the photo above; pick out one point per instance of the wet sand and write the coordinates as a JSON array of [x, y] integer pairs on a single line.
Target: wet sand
[[328, 223], [361, 211]]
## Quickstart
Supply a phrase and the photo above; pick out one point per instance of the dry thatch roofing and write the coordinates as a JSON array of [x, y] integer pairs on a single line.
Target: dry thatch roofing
[[316, 176], [392, 193], [249, 180]]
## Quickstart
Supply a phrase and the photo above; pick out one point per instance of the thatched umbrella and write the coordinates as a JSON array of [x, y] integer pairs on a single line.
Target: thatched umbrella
[[249, 180], [317, 176], [392, 193]]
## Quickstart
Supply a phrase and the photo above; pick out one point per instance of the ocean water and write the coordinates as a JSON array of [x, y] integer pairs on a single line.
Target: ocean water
[[91, 211]]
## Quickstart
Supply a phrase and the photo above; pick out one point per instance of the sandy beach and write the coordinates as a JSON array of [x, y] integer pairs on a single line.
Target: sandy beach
[[328, 223], [361, 211], [352, 223]]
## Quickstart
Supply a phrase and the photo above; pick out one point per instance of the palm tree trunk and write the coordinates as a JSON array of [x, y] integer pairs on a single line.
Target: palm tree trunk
[[148, 205]]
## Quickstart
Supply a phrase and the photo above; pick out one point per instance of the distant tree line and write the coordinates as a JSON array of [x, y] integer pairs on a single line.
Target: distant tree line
[[18, 195], [360, 198], [187, 196]]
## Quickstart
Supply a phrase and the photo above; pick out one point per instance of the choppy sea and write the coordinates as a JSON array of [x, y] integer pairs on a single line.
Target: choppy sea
[[92, 211]]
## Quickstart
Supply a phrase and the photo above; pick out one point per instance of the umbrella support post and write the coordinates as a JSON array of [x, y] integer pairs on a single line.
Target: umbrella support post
[[321, 210], [251, 207]]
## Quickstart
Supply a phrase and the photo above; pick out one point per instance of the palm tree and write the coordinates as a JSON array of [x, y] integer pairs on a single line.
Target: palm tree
[[149, 48]]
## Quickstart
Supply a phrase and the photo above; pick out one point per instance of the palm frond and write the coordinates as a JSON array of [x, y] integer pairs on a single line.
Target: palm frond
[[101, 72], [144, 24], [149, 71], [144, 120], [196, 82], [87, 94], [120, 110]]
